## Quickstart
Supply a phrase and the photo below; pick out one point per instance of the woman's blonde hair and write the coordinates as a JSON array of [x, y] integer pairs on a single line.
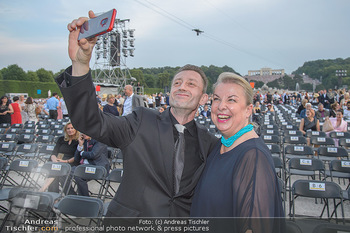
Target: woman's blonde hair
[[66, 136], [228, 77]]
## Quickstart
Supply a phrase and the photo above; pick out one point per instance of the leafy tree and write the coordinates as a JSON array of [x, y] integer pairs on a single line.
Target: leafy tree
[[45, 75], [163, 80], [32, 76], [137, 73], [13, 72], [1, 78], [150, 80]]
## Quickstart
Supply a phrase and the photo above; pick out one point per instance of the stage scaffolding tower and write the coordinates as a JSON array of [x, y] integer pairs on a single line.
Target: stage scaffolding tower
[[111, 52]]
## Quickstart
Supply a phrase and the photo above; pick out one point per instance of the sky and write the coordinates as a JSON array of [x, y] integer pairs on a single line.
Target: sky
[[245, 35]]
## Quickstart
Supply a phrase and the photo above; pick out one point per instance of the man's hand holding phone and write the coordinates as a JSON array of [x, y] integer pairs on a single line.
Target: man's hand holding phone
[[82, 40], [80, 51]]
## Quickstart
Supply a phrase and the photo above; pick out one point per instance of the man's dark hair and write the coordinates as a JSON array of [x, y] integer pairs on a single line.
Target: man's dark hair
[[199, 71], [54, 94]]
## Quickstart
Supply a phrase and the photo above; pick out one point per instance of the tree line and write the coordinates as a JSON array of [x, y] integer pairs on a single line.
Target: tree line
[[160, 77]]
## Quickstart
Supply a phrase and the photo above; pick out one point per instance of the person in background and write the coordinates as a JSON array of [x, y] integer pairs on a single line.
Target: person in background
[[321, 112], [302, 106], [16, 117], [347, 111], [308, 106], [333, 111], [239, 179], [24, 114], [89, 151], [64, 108], [52, 105], [310, 122], [63, 152], [339, 125], [131, 100], [110, 107], [29, 108], [206, 113], [59, 109], [5, 110]]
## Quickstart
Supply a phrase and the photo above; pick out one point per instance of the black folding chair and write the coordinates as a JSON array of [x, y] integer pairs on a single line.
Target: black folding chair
[[89, 208], [330, 153], [318, 189], [91, 173]]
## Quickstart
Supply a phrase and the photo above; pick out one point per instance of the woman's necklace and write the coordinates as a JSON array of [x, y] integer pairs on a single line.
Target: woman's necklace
[[228, 142]]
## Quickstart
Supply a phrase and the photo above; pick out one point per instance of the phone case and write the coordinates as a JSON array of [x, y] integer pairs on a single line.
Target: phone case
[[99, 25]]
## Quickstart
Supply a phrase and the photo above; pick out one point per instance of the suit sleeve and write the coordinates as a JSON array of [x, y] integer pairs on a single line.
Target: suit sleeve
[[80, 97], [96, 151]]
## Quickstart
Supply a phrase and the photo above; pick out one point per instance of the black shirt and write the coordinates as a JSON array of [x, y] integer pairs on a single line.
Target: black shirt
[[192, 158], [111, 109]]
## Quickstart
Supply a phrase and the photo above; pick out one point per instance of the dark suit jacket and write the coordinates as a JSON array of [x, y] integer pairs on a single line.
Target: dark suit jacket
[[137, 101], [147, 185], [96, 154]]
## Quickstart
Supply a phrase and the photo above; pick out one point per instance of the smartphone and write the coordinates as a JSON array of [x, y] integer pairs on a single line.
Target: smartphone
[[98, 25]]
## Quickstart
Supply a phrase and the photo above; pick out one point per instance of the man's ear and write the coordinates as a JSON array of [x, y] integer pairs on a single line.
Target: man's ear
[[204, 99]]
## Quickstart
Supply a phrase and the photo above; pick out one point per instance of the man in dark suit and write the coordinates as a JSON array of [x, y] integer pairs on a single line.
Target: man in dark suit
[[131, 100], [90, 151], [206, 113], [150, 169]]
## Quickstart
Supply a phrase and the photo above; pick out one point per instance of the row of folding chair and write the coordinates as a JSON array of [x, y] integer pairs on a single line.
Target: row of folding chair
[[32, 201]]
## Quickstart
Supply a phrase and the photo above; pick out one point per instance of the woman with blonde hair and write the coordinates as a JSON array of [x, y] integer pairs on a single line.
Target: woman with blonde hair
[[239, 178], [310, 122], [63, 152]]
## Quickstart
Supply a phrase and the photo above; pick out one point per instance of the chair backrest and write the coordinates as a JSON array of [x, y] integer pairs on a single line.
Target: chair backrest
[[7, 147], [307, 164], [33, 200], [13, 130], [298, 150], [26, 138], [115, 175], [269, 132], [43, 126], [23, 165], [292, 133], [43, 131], [274, 148], [45, 139], [27, 131], [315, 140], [309, 134], [345, 142], [3, 163], [46, 149], [90, 172], [332, 151], [301, 140], [270, 139], [20, 126], [339, 135], [277, 162], [9, 137], [5, 125], [81, 206], [317, 189], [58, 132], [27, 148], [56, 169], [29, 126], [340, 166]]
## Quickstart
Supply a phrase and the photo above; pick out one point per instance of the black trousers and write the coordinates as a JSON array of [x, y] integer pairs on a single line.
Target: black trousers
[[53, 114]]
